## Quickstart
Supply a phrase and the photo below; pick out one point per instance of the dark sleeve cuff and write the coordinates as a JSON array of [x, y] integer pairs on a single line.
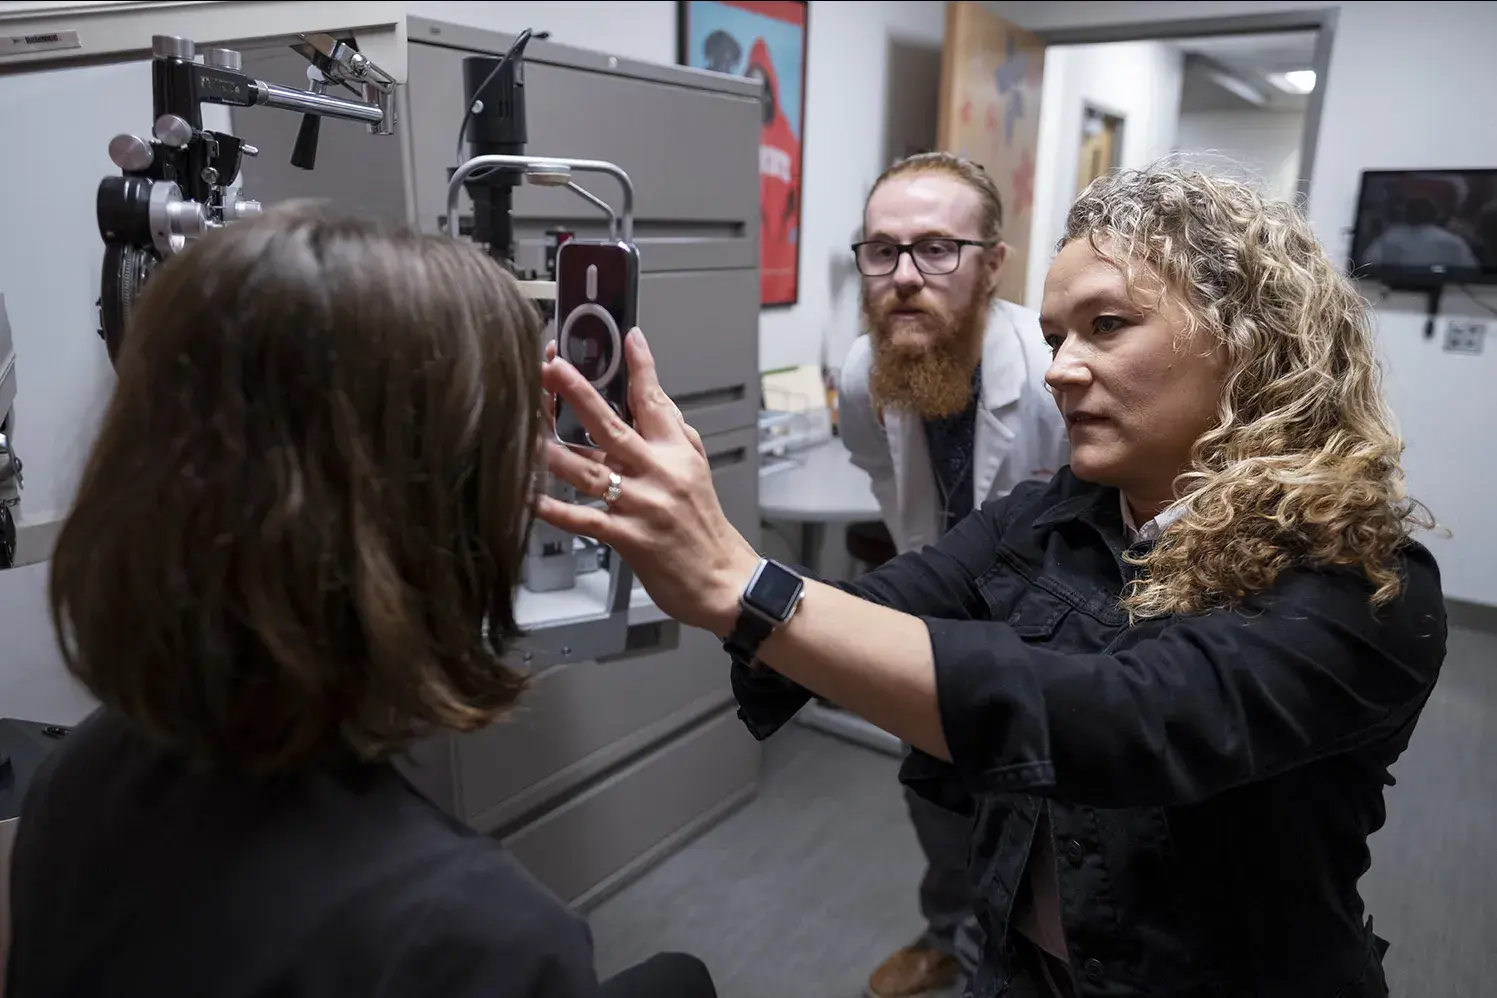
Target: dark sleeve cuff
[[937, 782], [766, 700]]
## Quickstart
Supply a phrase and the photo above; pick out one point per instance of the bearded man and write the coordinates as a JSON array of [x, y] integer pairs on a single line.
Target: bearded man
[[943, 403]]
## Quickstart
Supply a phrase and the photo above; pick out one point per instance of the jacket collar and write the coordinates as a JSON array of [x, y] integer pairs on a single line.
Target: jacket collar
[[1103, 508], [1075, 501]]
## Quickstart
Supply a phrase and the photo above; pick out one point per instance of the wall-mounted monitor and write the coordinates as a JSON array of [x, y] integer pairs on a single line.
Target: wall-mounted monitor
[[1417, 228]]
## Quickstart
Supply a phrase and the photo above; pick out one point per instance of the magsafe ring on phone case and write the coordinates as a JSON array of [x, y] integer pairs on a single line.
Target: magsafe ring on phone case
[[590, 338]]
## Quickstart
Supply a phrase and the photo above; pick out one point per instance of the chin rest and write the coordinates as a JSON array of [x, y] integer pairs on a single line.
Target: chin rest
[[23, 747]]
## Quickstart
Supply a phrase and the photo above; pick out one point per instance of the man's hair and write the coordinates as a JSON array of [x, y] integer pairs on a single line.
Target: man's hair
[[1302, 467], [963, 169], [299, 532]]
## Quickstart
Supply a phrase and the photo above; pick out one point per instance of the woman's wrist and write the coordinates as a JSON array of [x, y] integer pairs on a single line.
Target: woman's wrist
[[722, 600]]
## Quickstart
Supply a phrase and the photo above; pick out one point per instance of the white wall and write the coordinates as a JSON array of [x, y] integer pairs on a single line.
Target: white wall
[[1382, 110], [1265, 145], [33, 683], [1137, 81]]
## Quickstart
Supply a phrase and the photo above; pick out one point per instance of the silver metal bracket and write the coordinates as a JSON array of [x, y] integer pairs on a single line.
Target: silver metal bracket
[[555, 631]]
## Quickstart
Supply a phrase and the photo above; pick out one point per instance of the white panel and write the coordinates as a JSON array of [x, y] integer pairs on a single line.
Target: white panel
[[49, 266], [1263, 144], [1138, 81], [33, 684]]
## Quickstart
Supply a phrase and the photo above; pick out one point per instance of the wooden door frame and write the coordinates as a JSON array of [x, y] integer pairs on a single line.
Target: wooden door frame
[[1320, 20], [1104, 110]]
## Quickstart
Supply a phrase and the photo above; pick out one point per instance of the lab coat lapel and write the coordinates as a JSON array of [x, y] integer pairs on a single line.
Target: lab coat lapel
[[1004, 375]]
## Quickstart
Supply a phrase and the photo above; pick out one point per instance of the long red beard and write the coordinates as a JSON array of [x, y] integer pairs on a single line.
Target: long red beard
[[933, 379]]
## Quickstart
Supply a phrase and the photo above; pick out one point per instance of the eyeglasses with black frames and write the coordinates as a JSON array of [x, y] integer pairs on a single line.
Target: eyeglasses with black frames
[[932, 257]]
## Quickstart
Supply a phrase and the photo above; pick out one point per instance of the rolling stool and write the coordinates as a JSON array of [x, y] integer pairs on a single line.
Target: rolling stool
[[869, 543]]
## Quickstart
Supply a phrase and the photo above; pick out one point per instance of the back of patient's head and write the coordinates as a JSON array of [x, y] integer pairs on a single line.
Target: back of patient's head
[[300, 529]]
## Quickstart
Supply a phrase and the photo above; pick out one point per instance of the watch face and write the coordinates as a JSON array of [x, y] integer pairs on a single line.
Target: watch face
[[774, 590]]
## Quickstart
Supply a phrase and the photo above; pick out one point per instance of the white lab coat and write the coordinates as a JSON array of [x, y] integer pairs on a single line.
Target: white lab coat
[[1020, 434]]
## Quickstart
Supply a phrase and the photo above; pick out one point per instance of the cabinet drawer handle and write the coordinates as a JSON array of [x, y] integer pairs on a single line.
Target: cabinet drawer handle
[[722, 459], [711, 396]]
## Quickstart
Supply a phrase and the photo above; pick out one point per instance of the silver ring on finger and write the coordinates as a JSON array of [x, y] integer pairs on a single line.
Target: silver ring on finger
[[614, 490]]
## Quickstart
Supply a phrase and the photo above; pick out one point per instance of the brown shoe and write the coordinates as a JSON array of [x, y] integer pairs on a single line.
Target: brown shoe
[[913, 972]]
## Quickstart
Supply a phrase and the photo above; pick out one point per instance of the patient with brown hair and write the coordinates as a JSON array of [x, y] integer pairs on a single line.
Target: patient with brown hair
[[293, 554]]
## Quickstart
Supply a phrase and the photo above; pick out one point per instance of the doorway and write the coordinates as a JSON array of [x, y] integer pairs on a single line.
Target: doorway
[[1101, 145], [1243, 106], [1071, 104]]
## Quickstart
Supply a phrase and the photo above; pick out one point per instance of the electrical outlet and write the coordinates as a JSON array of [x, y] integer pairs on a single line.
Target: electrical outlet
[[1465, 336]]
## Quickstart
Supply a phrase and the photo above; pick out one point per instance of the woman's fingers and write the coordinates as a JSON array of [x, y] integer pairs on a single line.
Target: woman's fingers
[[584, 521], [606, 427], [548, 400], [583, 472], [655, 414], [694, 437]]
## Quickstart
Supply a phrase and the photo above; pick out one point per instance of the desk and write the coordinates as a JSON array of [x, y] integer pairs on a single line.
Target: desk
[[822, 487], [584, 601]]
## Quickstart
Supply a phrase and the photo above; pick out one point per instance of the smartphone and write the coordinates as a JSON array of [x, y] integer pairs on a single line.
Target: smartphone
[[597, 293]]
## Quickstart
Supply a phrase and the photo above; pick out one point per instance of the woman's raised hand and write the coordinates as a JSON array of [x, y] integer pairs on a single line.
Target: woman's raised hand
[[663, 515]]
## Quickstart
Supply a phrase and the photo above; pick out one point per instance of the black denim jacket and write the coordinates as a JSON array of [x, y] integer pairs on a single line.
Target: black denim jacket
[[1211, 780]]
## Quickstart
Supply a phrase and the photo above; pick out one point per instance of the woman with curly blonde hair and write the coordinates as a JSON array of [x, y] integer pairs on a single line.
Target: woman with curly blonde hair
[[1168, 684]]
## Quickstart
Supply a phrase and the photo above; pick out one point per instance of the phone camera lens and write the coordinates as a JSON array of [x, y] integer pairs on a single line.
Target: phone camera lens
[[590, 347]]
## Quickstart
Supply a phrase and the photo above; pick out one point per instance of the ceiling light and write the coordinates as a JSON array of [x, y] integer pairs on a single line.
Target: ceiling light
[[1296, 81]]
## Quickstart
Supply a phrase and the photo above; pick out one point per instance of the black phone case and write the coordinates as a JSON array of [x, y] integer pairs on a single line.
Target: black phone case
[[597, 294]]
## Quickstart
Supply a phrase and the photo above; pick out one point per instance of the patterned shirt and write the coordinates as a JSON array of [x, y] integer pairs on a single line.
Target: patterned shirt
[[951, 444]]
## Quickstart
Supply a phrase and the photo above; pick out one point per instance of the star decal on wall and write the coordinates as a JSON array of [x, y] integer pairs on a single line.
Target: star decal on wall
[[1023, 180], [1010, 78]]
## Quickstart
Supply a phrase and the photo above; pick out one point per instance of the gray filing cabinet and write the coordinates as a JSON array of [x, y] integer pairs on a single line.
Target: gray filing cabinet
[[607, 765]]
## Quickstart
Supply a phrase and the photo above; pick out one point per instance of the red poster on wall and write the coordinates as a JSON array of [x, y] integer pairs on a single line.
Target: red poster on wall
[[764, 40]]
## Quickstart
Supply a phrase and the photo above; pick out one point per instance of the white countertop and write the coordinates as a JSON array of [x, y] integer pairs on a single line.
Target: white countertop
[[589, 598], [824, 487]]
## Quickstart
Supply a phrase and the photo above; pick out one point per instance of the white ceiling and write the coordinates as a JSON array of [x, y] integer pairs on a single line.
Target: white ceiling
[[1223, 70], [1277, 52]]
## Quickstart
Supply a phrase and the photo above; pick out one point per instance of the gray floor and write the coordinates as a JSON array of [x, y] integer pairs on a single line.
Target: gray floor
[[1433, 883], [761, 896], [800, 894]]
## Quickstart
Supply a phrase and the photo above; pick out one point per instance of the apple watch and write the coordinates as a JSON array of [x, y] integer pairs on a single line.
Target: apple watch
[[768, 601]]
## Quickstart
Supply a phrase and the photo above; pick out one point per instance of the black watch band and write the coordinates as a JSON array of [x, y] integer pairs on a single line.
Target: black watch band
[[749, 632], [769, 600]]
